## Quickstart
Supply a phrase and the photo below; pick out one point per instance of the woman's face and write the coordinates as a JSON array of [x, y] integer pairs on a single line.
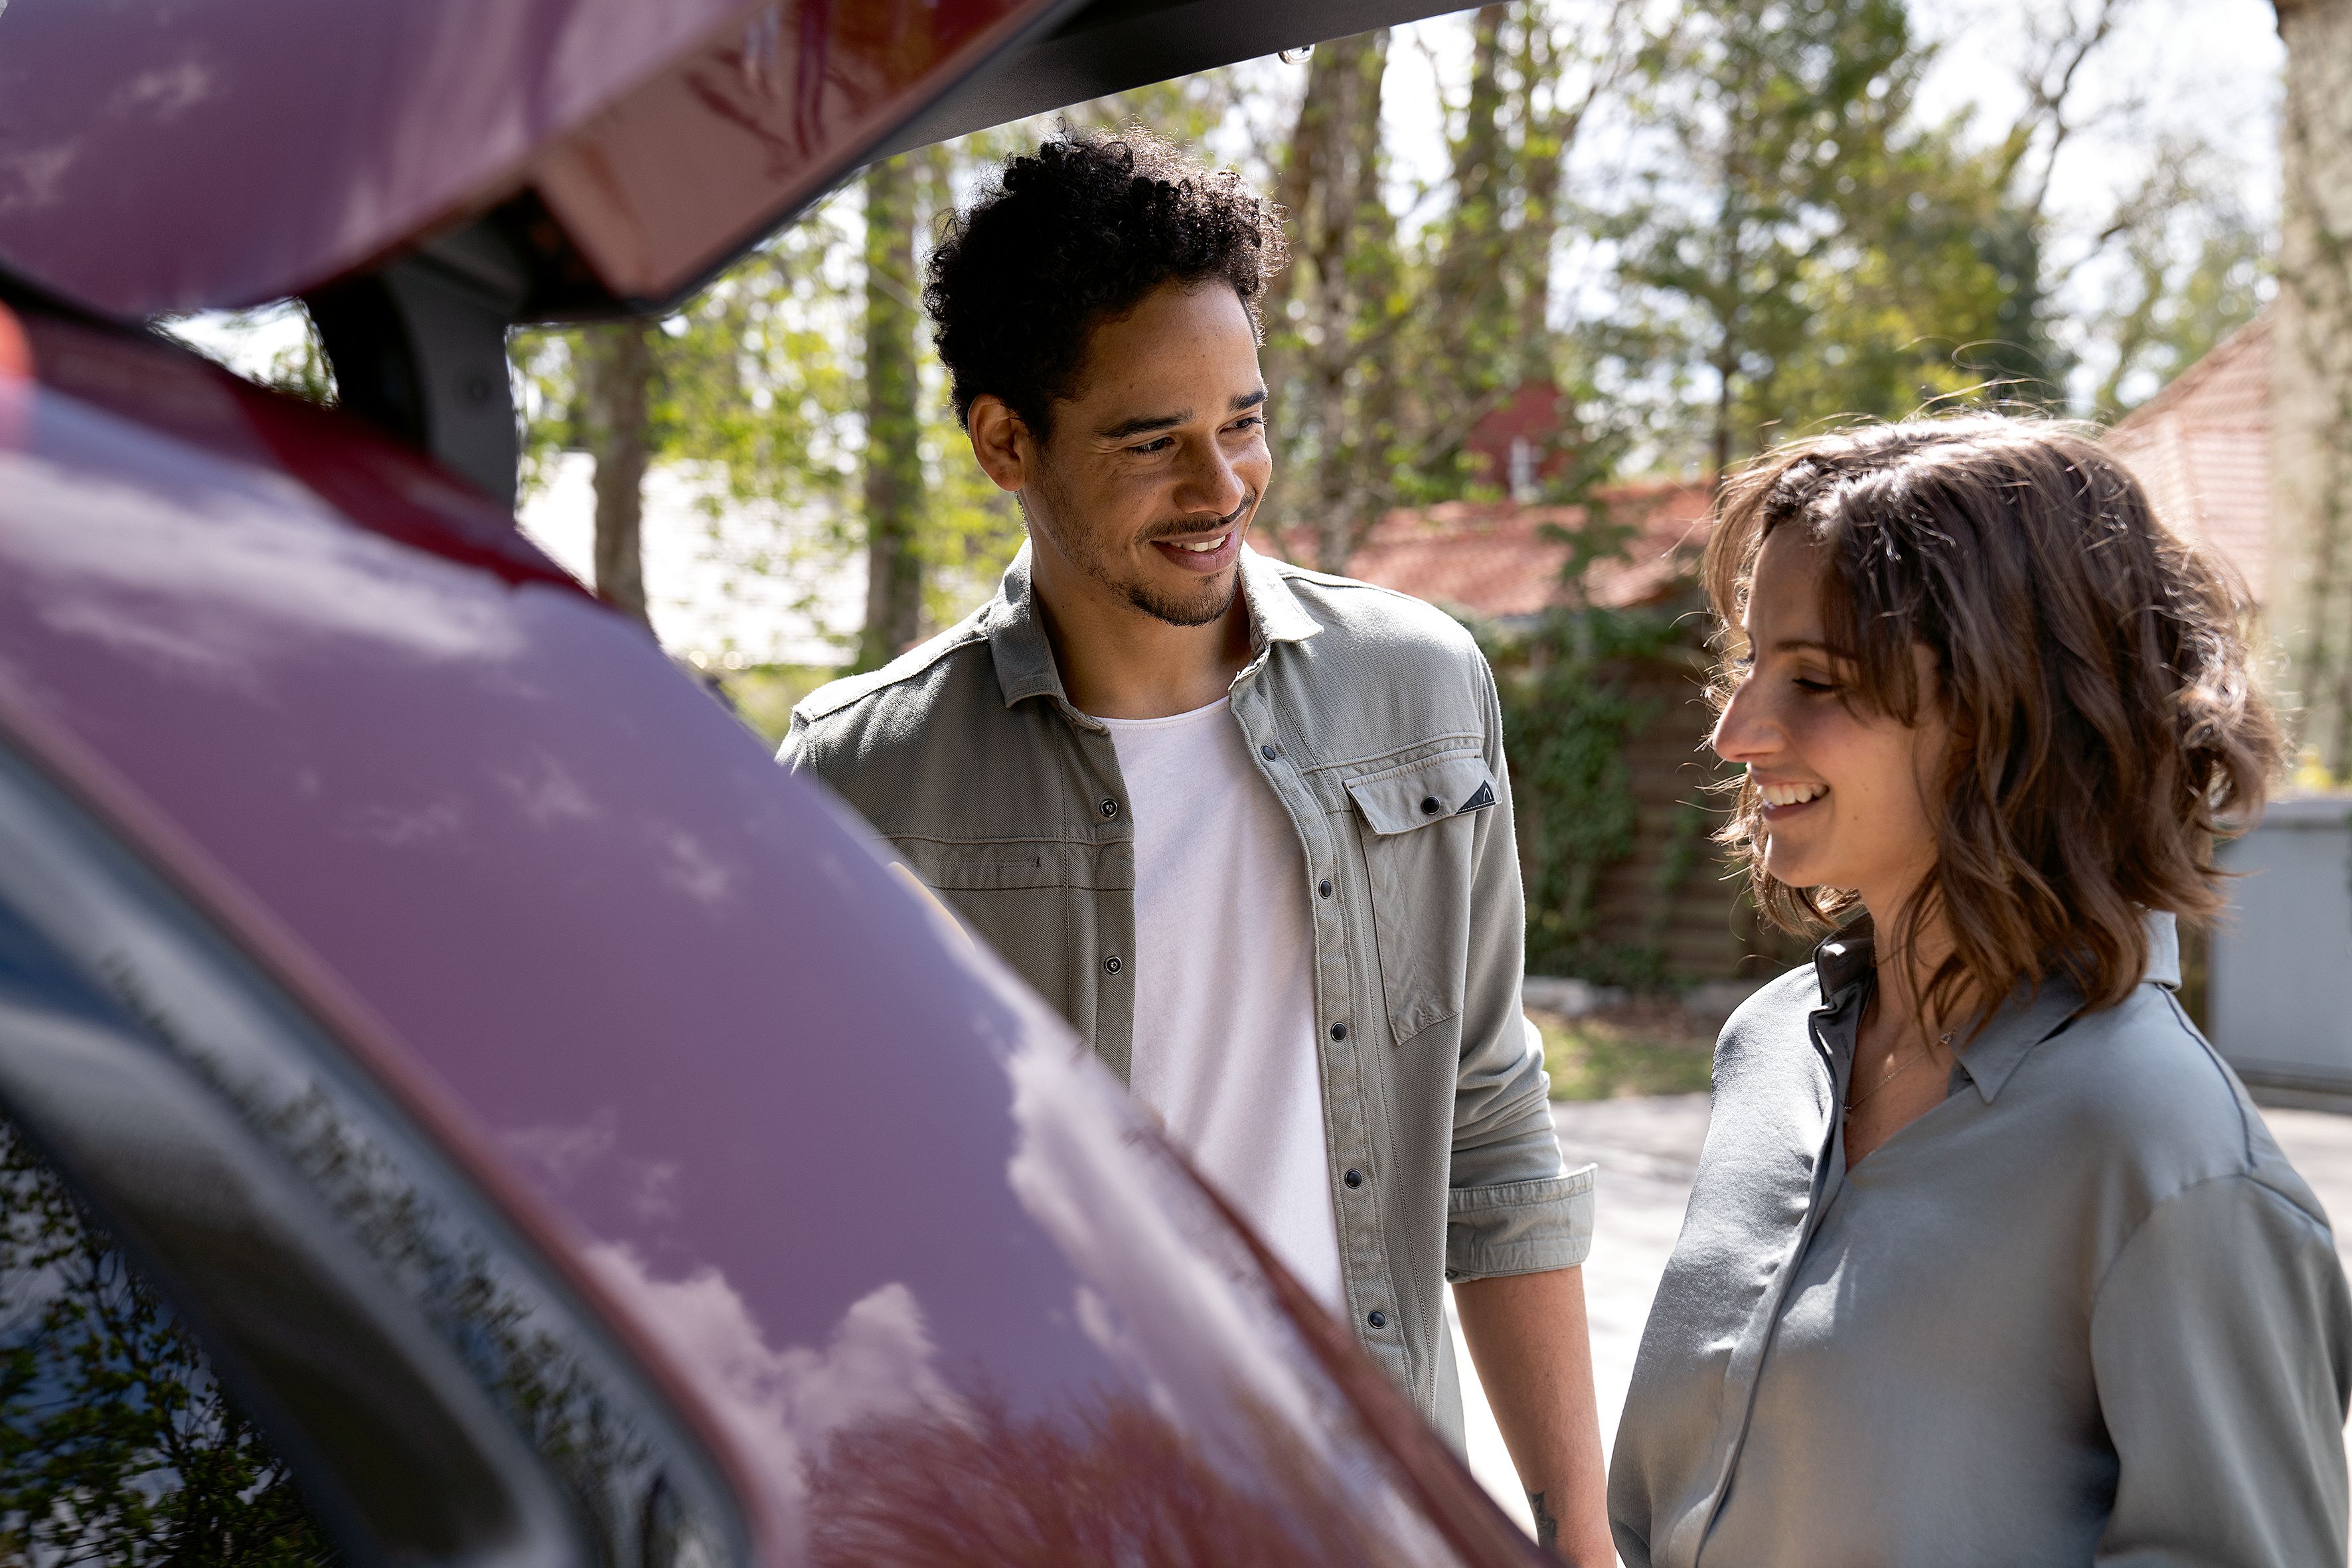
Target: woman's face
[[1847, 790]]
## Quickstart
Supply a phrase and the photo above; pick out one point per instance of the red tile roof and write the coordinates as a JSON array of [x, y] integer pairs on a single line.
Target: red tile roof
[[2202, 448], [1500, 559]]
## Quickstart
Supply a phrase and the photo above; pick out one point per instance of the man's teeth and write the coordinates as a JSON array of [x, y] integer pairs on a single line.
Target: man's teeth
[[1198, 549], [1792, 794]]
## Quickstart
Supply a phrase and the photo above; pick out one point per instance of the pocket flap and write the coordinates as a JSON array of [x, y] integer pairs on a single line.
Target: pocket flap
[[1421, 793], [979, 867]]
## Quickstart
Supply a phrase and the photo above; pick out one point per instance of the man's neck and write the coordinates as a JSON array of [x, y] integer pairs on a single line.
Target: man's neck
[[1117, 662]]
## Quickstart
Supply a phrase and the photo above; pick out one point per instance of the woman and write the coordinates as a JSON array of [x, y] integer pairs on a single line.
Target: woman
[[1990, 1260]]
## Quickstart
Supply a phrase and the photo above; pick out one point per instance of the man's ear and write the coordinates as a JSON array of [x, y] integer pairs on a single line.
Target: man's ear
[[1000, 440]]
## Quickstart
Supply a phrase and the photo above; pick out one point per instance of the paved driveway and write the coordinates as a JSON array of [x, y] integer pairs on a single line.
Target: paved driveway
[[1647, 1150]]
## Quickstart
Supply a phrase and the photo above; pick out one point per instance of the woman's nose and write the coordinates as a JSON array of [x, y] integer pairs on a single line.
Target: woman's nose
[[1743, 732]]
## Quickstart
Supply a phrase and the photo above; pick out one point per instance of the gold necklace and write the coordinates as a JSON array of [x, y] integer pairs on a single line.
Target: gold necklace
[[1909, 1056]]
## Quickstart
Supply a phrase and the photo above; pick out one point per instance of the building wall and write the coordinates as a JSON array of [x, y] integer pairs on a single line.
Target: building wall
[[1675, 895]]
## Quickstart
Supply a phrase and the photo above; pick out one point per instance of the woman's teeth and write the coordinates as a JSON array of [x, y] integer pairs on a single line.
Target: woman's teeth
[[1198, 549], [1792, 794]]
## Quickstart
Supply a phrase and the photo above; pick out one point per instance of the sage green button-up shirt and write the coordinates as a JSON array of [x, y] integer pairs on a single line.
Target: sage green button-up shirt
[[2082, 1311], [1374, 720]]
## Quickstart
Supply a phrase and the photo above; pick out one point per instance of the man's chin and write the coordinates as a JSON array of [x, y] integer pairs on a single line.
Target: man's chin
[[1202, 604]]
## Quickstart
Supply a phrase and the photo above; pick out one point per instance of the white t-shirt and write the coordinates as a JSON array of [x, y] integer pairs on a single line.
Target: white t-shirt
[[1224, 982]]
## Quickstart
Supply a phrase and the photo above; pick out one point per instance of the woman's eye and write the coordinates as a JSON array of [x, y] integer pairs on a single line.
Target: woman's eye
[[1815, 684]]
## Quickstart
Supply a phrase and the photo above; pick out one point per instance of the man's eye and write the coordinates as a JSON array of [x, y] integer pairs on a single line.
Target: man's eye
[[1145, 449], [1253, 422]]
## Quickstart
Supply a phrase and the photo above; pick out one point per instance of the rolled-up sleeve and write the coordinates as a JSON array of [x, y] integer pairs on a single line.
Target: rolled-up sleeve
[[1510, 1207], [2221, 1342]]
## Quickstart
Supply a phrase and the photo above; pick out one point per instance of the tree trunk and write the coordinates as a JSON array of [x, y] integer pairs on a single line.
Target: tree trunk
[[894, 460], [616, 375], [1290, 420], [1471, 309], [1349, 204], [1731, 264], [1545, 145], [2306, 603]]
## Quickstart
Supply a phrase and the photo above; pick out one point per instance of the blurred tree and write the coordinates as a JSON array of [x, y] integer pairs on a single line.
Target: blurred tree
[[893, 462], [2308, 605], [2188, 284], [1384, 352], [118, 1444], [1763, 112], [617, 370], [1324, 310], [744, 385]]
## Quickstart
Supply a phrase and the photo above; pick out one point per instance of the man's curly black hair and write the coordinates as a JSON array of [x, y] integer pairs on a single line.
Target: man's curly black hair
[[1081, 229]]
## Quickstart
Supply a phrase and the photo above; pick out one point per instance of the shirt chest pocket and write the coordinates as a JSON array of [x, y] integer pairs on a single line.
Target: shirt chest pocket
[[1421, 825]]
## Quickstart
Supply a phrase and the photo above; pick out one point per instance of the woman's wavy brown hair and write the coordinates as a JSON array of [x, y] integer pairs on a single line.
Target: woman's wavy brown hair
[[2106, 725]]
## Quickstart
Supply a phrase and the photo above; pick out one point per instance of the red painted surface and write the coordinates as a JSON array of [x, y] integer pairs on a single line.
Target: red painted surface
[[704, 157], [859, 1198], [161, 155]]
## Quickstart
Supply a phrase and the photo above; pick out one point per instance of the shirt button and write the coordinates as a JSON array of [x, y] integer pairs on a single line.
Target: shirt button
[[1109, 808], [1379, 1319], [1429, 805], [1338, 1031], [1111, 965], [1354, 1178], [1267, 752], [1324, 888]]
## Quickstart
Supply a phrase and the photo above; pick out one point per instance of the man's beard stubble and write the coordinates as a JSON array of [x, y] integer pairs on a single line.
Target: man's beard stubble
[[1209, 604]]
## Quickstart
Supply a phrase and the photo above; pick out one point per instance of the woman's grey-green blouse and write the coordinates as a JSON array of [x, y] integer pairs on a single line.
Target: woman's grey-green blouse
[[2082, 1311]]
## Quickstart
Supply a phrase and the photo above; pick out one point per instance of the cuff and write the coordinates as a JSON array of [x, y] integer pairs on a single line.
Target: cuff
[[1519, 1227]]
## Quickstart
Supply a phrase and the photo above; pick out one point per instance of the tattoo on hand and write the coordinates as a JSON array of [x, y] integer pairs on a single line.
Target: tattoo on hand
[[1547, 1527]]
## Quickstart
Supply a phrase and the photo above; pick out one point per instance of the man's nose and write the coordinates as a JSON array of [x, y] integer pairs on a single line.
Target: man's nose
[[1209, 482]]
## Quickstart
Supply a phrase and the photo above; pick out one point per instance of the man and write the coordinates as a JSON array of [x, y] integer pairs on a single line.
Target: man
[[1247, 825]]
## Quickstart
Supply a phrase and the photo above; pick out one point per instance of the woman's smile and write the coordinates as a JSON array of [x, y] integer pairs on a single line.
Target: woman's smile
[[1783, 800]]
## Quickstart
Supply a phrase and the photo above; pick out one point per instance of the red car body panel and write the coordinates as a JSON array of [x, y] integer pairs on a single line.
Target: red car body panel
[[904, 1255], [159, 156]]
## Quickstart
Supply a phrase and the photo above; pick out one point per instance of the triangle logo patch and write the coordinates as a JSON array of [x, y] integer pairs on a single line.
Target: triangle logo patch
[[1483, 798]]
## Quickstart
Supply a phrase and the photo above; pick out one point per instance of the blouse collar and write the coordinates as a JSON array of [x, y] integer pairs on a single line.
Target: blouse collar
[[2030, 1015]]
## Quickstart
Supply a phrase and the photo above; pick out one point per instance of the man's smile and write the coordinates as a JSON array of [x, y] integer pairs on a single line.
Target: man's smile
[[1211, 549]]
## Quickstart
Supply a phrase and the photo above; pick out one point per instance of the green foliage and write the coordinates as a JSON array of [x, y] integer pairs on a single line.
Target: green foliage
[[1785, 241], [1568, 712], [763, 695], [2186, 291], [117, 1446], [1650, 1050], [1801, 248], [749, 379]]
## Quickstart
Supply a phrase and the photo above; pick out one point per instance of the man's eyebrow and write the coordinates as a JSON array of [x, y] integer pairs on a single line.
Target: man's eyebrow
[[1144, 425], [1147, 424]]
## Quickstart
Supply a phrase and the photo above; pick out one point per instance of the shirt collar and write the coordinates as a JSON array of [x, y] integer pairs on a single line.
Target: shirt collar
[[2030, 1015], [1024, 655]]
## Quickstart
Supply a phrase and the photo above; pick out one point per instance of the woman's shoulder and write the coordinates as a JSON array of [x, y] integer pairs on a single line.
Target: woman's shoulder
[[1772, 1028], [2139, 1084]]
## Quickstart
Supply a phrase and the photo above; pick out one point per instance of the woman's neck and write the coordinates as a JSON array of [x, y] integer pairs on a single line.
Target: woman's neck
[[1907, 955]]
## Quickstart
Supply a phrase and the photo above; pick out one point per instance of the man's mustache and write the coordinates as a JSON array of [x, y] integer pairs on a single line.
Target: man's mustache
[[1183, 528]]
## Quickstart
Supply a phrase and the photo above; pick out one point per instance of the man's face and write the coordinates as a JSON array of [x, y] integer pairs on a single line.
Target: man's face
[[1152, 474]]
